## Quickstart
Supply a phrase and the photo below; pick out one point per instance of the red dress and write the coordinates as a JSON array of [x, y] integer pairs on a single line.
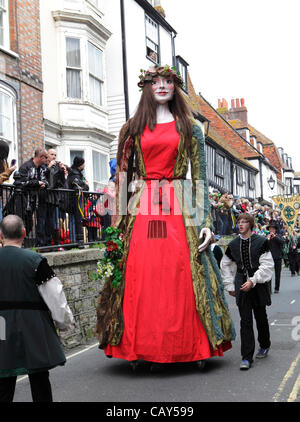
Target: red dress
[[161, 323]]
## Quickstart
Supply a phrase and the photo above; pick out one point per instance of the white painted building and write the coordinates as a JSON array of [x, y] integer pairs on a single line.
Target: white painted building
[[288, 173], [297, 183], [92, 53], [74, 42], [140, 37]]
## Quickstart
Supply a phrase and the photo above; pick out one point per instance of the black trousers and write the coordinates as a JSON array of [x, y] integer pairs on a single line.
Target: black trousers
[[247, 309], [294, 262], [39, 384], [277, 266]]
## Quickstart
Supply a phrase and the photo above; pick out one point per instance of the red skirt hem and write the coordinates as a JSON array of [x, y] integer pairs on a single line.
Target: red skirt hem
[[115, 352]]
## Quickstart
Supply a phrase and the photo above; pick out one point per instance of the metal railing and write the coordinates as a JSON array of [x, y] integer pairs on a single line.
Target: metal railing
[[57, 219]]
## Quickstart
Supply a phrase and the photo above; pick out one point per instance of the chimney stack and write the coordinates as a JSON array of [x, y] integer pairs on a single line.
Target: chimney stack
[[238, 111], [223, 108]]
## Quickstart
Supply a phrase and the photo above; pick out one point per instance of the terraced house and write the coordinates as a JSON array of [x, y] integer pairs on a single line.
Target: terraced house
[[74, 37], [228, 168], [276, 170], [21, 87]]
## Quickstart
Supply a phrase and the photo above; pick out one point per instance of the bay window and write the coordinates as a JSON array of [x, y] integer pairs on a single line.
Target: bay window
[[95, 74], [100, 169], [73, 68], [8, 119]]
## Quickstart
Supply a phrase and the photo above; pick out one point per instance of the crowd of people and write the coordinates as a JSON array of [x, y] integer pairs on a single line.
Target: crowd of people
[[41, 198], [226, 209]]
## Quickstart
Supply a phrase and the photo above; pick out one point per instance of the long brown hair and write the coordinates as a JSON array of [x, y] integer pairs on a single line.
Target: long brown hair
[[146, 115], [3, 165]]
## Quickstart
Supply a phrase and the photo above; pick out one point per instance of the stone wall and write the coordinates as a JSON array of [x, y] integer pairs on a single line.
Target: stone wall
[[75, 269]]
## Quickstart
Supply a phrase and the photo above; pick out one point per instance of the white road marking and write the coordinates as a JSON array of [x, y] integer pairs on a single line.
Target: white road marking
[[274, 323], [68, 357]]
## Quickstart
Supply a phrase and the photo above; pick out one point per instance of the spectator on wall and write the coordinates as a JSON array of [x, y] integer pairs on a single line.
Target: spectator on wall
[[56, 174], [32, 177], [76, 181]]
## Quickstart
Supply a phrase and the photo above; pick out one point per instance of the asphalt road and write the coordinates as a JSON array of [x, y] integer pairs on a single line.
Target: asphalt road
[[89, 376]]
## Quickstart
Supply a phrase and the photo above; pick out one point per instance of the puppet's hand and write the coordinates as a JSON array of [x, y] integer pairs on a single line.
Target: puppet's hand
[[206, 234]]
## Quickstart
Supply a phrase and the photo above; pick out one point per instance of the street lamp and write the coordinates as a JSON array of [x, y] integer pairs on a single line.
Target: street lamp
[[271, 182], [206, 128]]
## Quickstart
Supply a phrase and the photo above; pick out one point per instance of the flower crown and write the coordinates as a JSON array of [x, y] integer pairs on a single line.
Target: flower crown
[[148, 75]]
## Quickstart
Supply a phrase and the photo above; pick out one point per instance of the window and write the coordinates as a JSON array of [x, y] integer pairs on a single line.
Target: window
[[289, 185], [4, 24], [239, 176], [152, 40], [182, 68], [100, 169], [73, 68], [220, 164], [74, 154], [251, 181], [8, 119], [95, 74]]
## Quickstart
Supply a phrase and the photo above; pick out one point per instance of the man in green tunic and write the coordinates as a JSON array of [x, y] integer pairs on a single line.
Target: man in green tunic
[[28, 340]]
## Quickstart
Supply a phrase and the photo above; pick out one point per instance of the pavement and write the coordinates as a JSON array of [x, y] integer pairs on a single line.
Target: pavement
[[89, 376]]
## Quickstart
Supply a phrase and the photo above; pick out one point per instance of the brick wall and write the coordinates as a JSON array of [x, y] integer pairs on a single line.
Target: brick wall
[[24, 74]]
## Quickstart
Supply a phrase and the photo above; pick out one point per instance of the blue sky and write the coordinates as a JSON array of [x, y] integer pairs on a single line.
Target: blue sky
[[245, 49]]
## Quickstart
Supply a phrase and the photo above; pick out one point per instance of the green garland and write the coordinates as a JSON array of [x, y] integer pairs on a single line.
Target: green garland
[[157, 70], [108, 267]]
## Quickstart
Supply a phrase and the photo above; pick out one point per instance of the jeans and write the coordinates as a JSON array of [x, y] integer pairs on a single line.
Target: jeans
[[72, 228], [54, 217], [41, 215], [224, 224]]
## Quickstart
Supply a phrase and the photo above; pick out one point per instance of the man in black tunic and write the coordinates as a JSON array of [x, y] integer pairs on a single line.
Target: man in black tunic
[[276, 244], [28, 340], [247, 268]]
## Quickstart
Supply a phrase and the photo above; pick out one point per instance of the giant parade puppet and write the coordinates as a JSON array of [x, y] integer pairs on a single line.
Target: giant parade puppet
[[163, 300]]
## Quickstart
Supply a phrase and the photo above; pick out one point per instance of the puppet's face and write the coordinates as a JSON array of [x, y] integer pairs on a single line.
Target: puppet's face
[[163, 89]]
